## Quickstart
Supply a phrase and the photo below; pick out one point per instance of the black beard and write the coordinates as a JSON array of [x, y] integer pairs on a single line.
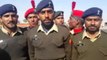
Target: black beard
[[92, 32], [14, 28], [47, 26]]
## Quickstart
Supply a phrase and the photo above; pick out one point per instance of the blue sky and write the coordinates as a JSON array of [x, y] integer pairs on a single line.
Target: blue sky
[[64, 5]]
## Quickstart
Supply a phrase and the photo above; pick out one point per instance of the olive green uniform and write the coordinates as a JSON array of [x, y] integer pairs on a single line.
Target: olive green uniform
[[15, 47], [48, 47], [84, 49]]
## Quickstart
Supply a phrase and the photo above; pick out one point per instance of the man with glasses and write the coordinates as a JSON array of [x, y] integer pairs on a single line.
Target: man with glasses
[[48, 41], [11, 39], [91, 44]]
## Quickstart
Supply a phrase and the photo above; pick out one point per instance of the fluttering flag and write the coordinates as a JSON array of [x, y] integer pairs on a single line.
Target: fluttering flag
[[73, 5], [33, 3]]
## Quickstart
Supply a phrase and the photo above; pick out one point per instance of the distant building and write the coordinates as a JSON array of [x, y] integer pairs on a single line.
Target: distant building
[[105, 26]]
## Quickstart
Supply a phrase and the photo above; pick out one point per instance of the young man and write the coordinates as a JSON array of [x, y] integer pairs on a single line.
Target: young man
[[91, 43], [31, 17], [59, 17], [48, 41], [11, 39]]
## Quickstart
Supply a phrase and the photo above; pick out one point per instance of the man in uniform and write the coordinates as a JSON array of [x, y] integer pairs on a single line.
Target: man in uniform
[[59, 17], [31, 17], [91, 43], [76, 22], [48, 41], [11, 39]]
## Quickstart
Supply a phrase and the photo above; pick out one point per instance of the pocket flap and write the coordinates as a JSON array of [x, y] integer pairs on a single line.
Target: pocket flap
[[103, 50]]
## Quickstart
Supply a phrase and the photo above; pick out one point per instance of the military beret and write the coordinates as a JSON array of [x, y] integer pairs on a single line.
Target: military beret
[[94, 11], [78, 13], [29, 11], [7, 8], [58, 13], [44, 4]]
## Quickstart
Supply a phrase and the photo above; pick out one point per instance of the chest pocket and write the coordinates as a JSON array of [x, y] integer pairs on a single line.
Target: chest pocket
[[59, 41], [37, 42], [81, 47]]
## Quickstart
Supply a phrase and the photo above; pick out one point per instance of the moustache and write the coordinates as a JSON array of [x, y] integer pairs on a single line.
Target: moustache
[[92, 26], [47, 20], [13, 22]]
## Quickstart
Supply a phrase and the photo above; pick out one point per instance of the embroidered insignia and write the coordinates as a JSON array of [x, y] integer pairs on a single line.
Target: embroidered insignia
[[35, 37], [1, 41], [80, 43], [98, 12], [13, 8], [61, 14], [49, 4]]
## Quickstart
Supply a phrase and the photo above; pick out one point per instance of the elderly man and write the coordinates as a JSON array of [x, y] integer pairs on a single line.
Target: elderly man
[[76, 22], [11, 39], [91, 43], [48, 41]]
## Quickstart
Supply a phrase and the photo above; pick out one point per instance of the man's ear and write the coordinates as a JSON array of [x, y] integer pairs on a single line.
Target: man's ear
[[17, 16], [0, 19], [101, 20], [78, 21], [38, 16]]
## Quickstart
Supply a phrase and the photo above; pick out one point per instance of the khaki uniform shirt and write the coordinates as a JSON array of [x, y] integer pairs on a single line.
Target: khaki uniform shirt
[[51, 45], [85, 49], [85, 35], [14, 44], [12, 34]]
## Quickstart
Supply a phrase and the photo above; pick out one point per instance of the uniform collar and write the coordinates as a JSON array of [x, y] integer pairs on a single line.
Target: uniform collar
[[13, 34], [54, 28], [86, 35], [76, 31]]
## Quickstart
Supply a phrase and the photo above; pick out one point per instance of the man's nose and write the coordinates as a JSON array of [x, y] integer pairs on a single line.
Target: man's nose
[[92, 22], [10, 18], [46, 14]]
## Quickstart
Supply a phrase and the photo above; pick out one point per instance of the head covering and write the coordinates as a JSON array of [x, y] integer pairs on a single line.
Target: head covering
[[29, 11], [94, 11], [7, 8], [78, 13], [44, 4], [58, 13]]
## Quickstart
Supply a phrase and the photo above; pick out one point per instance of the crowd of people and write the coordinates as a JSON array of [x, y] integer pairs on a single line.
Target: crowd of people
[[48, 37]]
